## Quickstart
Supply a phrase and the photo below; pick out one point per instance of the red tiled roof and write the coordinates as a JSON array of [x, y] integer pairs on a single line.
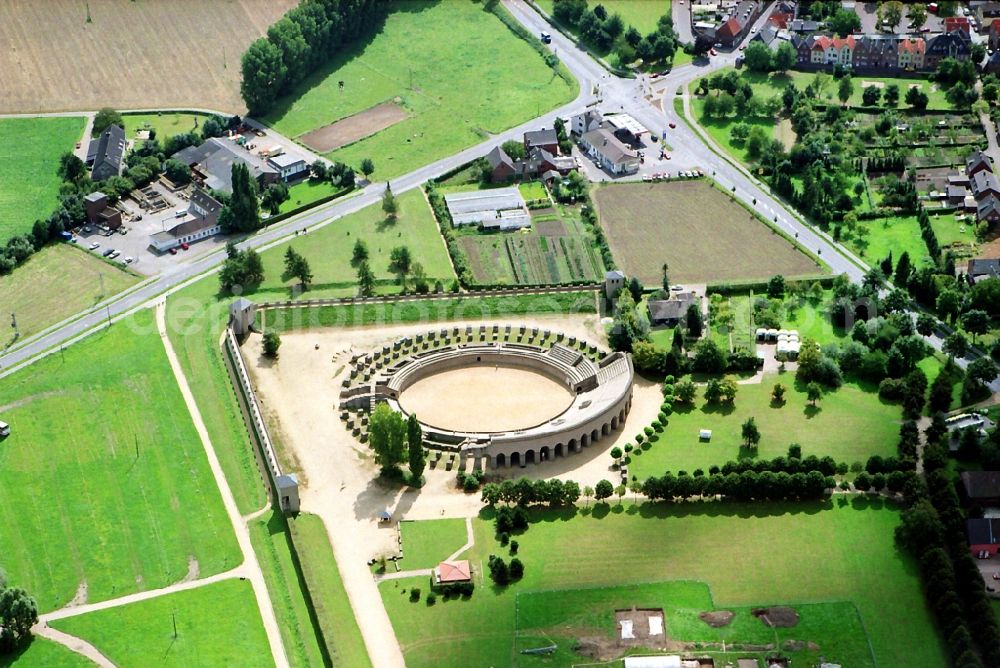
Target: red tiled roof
[[780, 19], [454, 571], [824, 42], [912, 45], [730, 28], [957, 23]]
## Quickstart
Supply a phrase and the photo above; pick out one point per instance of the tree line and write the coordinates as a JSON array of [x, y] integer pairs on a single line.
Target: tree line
[[307, 36]]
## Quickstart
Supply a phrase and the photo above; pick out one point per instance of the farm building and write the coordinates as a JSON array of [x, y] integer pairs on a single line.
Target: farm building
[[982, 487], [502, 209], [212, 164], [99, 213], [983, 535], [104, 155], [672, 311], [202, 224], [452, 572], [288, 166], [609, 152], [614, 281], [544, 139]]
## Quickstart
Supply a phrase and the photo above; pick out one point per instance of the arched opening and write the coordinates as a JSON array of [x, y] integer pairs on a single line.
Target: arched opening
[[529, 457], [585, 440], [621, 416], [501, 461], [614, 422], [573, 445], [544, 454], [560, 450], [515, 459], [595, 436]]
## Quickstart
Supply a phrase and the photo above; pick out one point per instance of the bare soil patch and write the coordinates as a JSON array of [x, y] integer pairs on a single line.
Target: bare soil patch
[[640, 626], [784, 133], [551, 228], [351, 129], [778, 616], [131, 55], [717, 618]]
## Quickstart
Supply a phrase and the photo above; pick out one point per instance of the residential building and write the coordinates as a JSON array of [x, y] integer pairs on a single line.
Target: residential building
[[673, 310], [911, 54], [105, 153], [586, 122], [982, 487], [545, 139], [501, 165], [772, 37], [976, 162], [947, 45], [983, 268], [983, 535], [98, 213], [609, 152], [994, 35], [804, 27], [988, 208], [201, 222], [962, 23], [984, 183], [289, 166], [212, 164], [993, 63]]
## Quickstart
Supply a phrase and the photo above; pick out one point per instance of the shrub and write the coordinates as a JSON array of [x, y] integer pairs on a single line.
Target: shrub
[[648, 431], [470, 484], [661, 417], [516, 569], [431, 598], [639, 438], [513, 546], [666, 408], [415, 594], [504, 538]]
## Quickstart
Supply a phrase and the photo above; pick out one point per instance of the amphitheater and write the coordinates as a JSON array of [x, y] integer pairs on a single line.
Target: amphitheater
[[500, 396]]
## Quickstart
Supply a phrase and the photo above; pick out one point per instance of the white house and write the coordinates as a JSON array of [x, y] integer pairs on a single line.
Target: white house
[[288, 166], [201, 222], [609, 152]]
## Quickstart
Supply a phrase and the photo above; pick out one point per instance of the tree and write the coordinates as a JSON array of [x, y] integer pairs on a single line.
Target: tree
[[635, 289], [620, 491], [18, 613], [389, 204], [415, 448], [367, 167], [588, 492], [685, 391], [975, 322], [366, 280], [360, 253], [104, 119], [709, 357], [926, 324], [296, 266], [982, 370], [387, 434], [903, 270], [569, 11], [694, 321], [757, 57], [751, 434], [871, 95], [616, 454], [274, 195], [603, 490], [890, 13], [242, 213], [516, 567], [71, 168], [272, 341], [844, 22], [499, 571], [778, 393], [400, 263], [814, 392], [514, 149], [845, 89], [916, 98], [177, 171], [785, 57], [264, 73], [917, 15], [776, 287], [956, 345], [891, 95]]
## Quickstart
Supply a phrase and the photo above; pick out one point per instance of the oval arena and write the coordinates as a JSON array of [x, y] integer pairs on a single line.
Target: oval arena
[[503, 396]]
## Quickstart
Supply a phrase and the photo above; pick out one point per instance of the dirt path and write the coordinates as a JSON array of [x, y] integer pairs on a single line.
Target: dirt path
[[78, 645], [470, 540], [250, 564]]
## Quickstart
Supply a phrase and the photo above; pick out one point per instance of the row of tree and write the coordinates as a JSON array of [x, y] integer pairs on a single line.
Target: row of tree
[[606, 31], [394, 440], [307, 36], [525, 492], [746, 486]]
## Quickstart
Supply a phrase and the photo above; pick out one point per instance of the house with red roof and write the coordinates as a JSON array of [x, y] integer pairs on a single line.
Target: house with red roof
[[452, 572]]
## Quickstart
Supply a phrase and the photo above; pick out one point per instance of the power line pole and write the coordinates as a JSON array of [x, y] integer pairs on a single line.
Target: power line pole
[[13, 323]]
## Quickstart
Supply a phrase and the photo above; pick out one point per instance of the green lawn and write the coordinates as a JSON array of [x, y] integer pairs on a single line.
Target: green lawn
[[334, 614], [105, 456], [42, 652], [642, 14], [812, 320], [54, 284], [166, 124], [446, 87], [29, 159], [272, 544], [430, 311], [426, 544], [217, 625], [533, 190], [820, 431], [329, 249], [836, 551], [306, 192], [902, 233]]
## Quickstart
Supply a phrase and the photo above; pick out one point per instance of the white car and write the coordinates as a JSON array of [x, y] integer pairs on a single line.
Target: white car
[[129, 260], [115, 254], [95, 246]]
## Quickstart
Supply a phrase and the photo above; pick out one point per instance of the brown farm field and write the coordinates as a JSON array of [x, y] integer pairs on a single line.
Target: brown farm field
[[131, 55], [697, 230]]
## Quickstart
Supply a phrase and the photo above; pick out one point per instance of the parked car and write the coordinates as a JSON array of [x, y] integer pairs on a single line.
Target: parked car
[[115, 254], [108, 251], [87, 229], [185, 246], [95, 246], [129, 260], [672, 125], [173, 251]]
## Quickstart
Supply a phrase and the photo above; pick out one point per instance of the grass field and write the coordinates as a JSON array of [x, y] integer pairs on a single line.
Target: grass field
[[329, 250], [446, 89], [29, 159], [902, 233], [339, 628], [104, 454], [557, 249], [217, 625], [178, 56], [43, 652], [166, 124], [305, 192], [426, 544], [837, 551], [641, 14], [697, 230], [56, 283], [430, 310], [820, 431]]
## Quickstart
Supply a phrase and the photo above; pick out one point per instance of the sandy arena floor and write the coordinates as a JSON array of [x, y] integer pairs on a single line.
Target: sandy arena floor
[[485, 398]]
